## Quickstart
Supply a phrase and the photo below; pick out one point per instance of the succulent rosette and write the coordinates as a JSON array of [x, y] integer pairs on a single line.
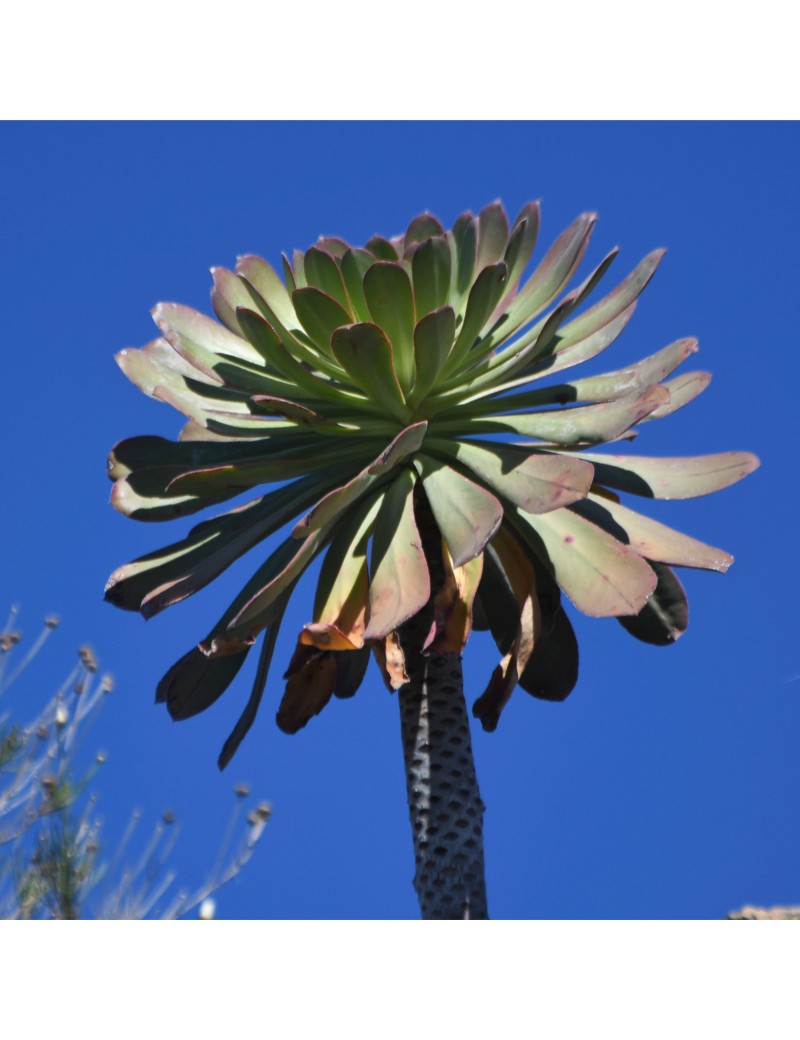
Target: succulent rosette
[[419, 373]]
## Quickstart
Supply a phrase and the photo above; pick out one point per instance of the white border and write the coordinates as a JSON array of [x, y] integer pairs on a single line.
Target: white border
[[416, 60]]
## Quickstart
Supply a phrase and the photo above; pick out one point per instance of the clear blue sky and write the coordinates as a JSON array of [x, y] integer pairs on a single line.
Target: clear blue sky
[[666, 786]]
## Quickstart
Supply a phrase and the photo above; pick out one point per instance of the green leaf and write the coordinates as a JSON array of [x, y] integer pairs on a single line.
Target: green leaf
[[550, 346], [433, 341], [682, 391], [248, 716], [320, 315], [594, 389], [145, 453], [400, 583], [191, 396], [667, 478], [486, 370], [159, 364], [611, 306], [166, 482], [522, 242], [229, 292], [191, 432], [491, 384], [202, 331], [196, 360], [381, 249], [388, 292], [585, 424], [541, 339], [207, 403], [333, 504], [612, 386], [228, 412], [277, 576], [355, 264], [322, 272], [405, 443], [602, 577], [651, 539], [466, 514], [423, 227], [431, 272], [275, 352], [156, 461], [298, 269], [235, 418], [535, 481], [492, 235], [164, 577], [553, 273], [149, 485], [267, 467], [332, 245], [215, 395], [296, 413], [463, 241], [342, 596], [288, 274], [129, 500], [366, 355], [196, 681], [665, 616], [267, 286], [250, 375], [345, 561], [293, 337], [483, 298]]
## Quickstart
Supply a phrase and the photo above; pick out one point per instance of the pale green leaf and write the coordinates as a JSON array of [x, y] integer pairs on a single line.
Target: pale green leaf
[[388, 293], [466, 514], [535, 481], [602, 577], [400, 583]]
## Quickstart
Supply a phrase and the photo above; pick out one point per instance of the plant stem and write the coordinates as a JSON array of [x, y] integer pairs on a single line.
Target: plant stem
[[444, 802]]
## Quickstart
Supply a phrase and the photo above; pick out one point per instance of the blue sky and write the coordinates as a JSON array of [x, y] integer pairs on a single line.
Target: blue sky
[[665, 786]]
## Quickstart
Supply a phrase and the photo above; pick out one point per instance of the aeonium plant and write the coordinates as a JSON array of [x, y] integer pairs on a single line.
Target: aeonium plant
[[408, 401]]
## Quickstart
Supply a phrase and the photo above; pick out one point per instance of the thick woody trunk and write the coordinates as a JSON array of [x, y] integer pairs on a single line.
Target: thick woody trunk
[[444, 802]]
